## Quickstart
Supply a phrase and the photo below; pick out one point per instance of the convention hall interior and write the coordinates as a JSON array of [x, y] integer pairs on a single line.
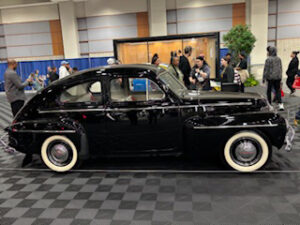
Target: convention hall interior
[[149, 112]]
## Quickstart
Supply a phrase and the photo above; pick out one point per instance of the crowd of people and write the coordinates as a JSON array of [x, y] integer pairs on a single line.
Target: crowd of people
[[38, 81], [198, 76]]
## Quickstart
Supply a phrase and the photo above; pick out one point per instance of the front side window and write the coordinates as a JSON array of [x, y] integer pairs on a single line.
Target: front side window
[[85, 92], [135, 90]]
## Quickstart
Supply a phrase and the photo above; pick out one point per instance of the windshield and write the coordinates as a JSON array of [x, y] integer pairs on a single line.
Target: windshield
[[172, 82]]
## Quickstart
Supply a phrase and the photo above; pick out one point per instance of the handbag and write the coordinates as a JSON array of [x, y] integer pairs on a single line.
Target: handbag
[[296, 84], [244, 75]]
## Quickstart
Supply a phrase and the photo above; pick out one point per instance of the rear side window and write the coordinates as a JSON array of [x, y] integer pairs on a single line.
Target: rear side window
[[85, 92], [135, 90]]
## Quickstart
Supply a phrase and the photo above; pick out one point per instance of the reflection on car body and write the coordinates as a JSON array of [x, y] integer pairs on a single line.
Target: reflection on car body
[[138, 110]]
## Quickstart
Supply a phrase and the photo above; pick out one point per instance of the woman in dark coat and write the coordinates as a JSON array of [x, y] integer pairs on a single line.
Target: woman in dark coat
[[292, 71], [227, 75]]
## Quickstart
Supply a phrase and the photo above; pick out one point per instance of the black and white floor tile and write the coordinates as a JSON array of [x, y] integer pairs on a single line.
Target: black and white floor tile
[[100, 195]]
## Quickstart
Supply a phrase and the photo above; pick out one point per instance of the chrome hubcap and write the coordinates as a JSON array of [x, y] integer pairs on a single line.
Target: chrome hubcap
[[59, 153], [246, 151]]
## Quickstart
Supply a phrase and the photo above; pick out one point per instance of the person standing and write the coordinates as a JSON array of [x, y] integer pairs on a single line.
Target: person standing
[[173, 67], [200, 75], [227, 74], [273, 75], [155, 60], [228, 56], [53, 76], [184, 65], [242, 70], [14, 89], [64, 69], [292, 71]]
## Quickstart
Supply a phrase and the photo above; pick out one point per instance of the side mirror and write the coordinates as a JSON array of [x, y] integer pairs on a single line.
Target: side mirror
[[166, 88]]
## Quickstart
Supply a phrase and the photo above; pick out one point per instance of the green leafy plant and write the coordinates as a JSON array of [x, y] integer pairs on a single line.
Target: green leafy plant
[[251, 81], [239, 39]]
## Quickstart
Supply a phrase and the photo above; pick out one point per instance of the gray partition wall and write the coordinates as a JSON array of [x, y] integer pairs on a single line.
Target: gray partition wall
[[96, 33], [284, 20], [21, 40], [204, 19]]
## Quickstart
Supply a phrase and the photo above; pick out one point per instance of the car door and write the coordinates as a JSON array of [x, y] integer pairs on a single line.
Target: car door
[[141, 118], [83, 102]]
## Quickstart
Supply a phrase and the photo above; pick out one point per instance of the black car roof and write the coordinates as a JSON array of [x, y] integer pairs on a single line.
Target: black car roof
[[110, 68], [120, 67]]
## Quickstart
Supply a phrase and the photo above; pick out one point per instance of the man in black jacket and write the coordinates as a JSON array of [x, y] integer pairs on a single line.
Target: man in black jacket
[[53, 76], [292, 71], [184, 65]]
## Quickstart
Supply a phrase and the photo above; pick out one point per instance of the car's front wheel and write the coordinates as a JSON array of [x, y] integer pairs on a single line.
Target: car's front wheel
[[59, 153], [246, 151]]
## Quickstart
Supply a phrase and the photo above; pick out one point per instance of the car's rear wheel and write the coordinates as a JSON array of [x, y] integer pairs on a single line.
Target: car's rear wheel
[[59, 153], [246, 151]]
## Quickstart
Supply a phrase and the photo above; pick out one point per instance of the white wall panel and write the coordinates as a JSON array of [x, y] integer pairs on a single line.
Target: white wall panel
[[113, 7], [289, 18], [288, 32], [108, 21], [288, 5], [27, 51], [22, 51], [26, 28], [207, 26], [29, 39], [83, 35], [212, 12], [3, 53], [204, 3], [101, 46], [271, 34], [272, 21], [112, 33], [221, 36], [2, 41], [171, 28], [30, 14], [40, 50], [84, 47]]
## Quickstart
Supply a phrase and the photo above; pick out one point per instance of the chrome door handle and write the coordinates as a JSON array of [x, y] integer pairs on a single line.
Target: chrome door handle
[[110, 117]]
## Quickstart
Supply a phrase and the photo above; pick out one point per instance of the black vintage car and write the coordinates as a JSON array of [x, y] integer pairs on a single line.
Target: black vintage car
[[140, 110]]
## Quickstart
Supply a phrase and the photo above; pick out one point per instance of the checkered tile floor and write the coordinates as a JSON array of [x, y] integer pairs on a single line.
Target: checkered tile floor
[[34, 196]]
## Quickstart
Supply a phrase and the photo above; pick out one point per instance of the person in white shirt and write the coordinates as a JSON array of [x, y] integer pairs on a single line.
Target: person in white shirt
[[64, 69]]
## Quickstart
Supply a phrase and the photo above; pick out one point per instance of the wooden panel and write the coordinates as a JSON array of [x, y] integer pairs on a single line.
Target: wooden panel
[[133, 53], [56, 36], [142, 24], [238, 14], [164, 49]]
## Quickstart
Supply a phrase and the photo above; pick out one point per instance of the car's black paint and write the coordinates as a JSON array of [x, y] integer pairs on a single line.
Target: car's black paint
[[191, 123]]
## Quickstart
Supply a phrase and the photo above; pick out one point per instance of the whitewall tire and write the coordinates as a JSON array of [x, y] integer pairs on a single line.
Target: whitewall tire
[[246, 151], [59, 153]]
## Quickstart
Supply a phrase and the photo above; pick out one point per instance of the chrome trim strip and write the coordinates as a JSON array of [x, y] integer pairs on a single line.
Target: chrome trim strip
[[226, 104], [70, 110], [146, 108], [234, 126], [46, 131]]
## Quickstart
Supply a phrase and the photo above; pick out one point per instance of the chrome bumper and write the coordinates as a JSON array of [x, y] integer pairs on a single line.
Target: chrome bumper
[[289, 137]]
